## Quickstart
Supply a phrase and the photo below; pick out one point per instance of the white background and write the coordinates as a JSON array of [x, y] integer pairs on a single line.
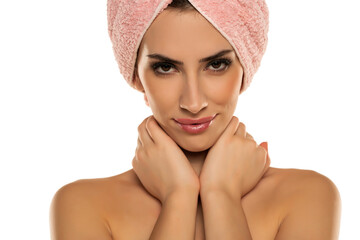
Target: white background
[[66, 113]]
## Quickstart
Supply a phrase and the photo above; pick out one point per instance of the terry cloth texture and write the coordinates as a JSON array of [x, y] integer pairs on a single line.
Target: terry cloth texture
[[244, 23]]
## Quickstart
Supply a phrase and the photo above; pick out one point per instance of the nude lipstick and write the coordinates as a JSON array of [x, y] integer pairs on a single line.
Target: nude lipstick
[[195, 125]]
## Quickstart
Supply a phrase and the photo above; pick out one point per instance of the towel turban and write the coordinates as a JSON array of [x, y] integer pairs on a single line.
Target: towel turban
[[244, 23]]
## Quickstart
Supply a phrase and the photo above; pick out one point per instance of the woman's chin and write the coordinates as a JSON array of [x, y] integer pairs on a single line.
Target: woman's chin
[[197, 147]]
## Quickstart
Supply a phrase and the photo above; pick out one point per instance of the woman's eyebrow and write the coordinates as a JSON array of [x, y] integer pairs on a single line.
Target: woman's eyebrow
[[166, 59]]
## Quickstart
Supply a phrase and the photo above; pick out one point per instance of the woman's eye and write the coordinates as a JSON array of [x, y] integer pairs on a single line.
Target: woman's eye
[[216, 64], [162, 68], [219, 65]]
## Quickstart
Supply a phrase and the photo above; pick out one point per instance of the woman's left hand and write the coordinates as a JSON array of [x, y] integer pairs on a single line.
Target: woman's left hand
[[235, 163]]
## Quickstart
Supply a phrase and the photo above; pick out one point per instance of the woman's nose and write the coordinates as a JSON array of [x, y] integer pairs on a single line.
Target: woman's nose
[[193, 98]]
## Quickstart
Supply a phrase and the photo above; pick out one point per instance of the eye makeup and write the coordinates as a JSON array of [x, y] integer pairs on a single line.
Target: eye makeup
[[225, 62]]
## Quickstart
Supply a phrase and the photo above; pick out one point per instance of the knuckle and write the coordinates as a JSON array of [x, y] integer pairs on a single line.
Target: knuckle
[[262, 151], [267, 162], [249, 135], [242, 125], [236, 119], [238, 139], [139, 155], [241, 128], [133, 162], [139, 128], [142, 124], [250, 143], [149, 123], [136, 156]]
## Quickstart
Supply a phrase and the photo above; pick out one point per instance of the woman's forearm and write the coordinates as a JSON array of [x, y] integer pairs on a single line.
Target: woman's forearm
[[224, 217], [177, 218]]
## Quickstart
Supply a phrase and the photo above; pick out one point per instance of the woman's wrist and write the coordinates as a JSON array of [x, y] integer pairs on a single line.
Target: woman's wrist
[[182, 195], [209, 192]]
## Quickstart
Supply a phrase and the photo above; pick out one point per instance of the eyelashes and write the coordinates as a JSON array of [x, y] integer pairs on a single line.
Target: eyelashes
[[218, 65]]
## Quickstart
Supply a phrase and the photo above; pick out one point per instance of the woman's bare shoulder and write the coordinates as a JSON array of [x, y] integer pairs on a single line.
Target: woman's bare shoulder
[[308, 199], [80, 209], [99, 190], [292, 182], [298, 178]]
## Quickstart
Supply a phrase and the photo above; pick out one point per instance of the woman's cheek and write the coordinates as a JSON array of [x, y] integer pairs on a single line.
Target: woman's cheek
[[225, 91], [163, 94]]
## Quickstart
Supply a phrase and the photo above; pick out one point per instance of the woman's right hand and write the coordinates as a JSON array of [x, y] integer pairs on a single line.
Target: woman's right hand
[[160, 164]]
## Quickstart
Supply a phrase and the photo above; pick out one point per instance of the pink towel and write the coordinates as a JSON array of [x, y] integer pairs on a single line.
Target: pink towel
[[244, 23]]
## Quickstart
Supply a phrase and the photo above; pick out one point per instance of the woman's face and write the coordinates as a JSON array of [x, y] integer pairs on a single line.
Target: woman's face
[[195, 86]]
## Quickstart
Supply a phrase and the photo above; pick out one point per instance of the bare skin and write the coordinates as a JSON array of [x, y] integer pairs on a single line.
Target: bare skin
[[217, 184], [119, 207]]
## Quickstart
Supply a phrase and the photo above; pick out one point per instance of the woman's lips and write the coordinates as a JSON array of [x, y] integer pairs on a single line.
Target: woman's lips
[[195, 125], [195, 121]]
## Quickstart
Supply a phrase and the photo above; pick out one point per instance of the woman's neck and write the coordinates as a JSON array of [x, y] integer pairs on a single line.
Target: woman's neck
[[196, 159]]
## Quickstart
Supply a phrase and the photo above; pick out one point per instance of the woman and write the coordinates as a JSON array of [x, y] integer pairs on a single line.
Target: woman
[[197, 173]]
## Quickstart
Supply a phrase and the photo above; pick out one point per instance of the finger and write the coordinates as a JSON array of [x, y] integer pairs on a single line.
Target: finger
[[268, 161], [248, 135], [230, 129], [133, 162], [144, 136], [267, 164], [264, 145], [139, 142], [154, 129], [241, 130]]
